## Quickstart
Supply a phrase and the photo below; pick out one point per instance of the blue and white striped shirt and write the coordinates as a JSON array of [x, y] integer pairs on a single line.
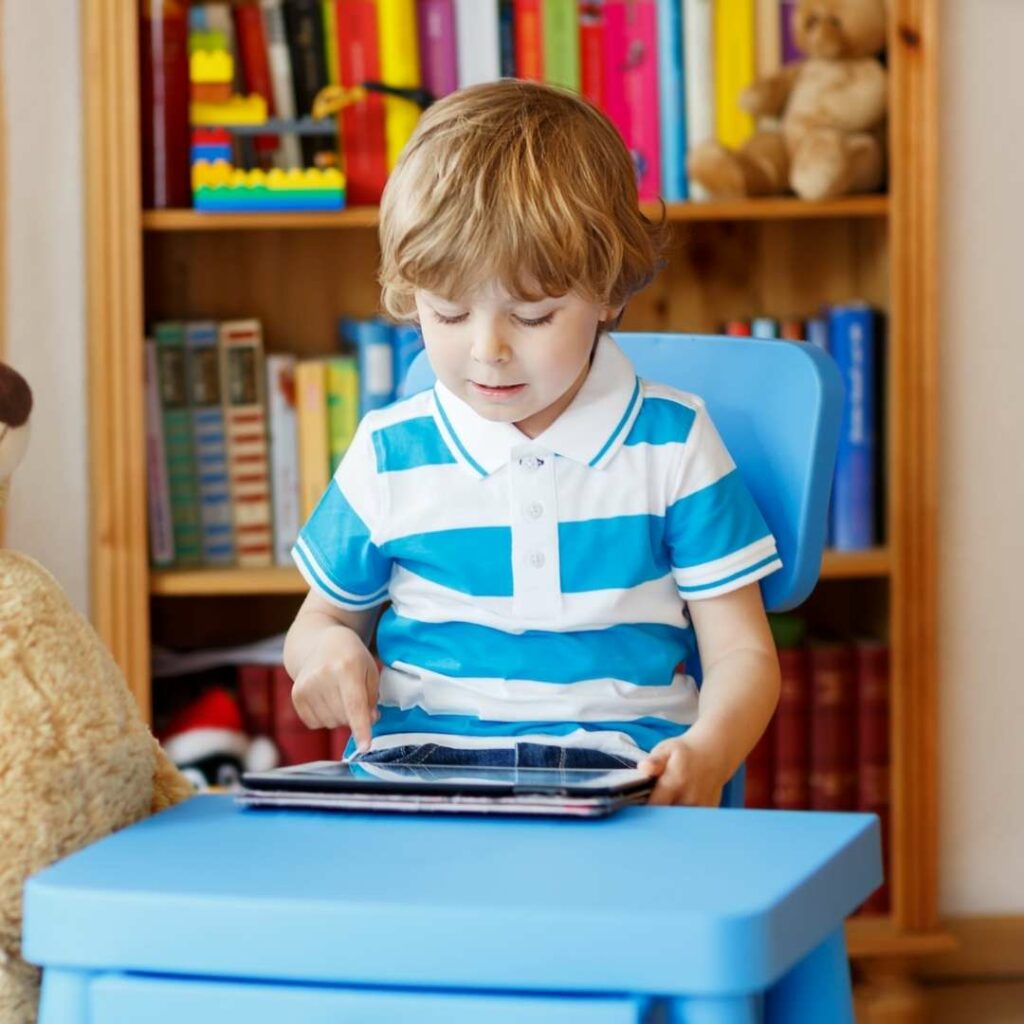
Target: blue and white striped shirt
[[539, 587]]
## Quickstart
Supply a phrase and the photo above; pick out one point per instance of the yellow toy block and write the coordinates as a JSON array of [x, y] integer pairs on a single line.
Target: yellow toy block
[[211, 67], [238, 110]]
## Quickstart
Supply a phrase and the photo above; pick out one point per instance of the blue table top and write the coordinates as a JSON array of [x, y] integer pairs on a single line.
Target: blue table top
[[663, 900]]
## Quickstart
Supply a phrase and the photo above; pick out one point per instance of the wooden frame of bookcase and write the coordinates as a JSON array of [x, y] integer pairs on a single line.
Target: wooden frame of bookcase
[[121, 581]]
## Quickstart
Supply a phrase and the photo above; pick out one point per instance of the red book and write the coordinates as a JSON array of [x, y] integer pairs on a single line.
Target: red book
[[737, 328], [760, 768], [792, 732], [362, 124], [833, 782], [529, 40], [337, 740], [252, 51], [872, 672], [592, 53], [792, 330], [255, 690], [296, 743]]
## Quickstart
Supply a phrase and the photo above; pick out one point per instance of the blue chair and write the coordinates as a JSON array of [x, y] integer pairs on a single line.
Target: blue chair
[[777, 406]]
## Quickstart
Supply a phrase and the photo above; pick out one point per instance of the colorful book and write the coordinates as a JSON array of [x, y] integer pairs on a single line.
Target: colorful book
[[282, 427], [407, 343], [314, 443], [760, 765], [560, 36], [158, 493], [764, 327], [851, 339], [399, 66], [478, 42], [342, 387], [439, 61], [699, 77], [209, 442], [371, 340], [328, 17], [768, 54], [178, 444], [833, 777], [791, 766], [529, 32], [254, 55], [592, 52], [672, 103], [305, 35], [242, 377], [791, 329], [362, 124], [734, 69], [506, 39], [279, 62]]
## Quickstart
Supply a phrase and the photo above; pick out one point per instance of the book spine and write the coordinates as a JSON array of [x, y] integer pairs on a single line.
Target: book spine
[[672, 104], [178, 445], [872, 667], [209, 442], [792, 732], [852, 344], [616, 67], [284, 454], [768, 37], [400, 66], [314, 450], [376, 364], [506, 39], [279, 61], [592, 71], [561, 40], [245, 420], [833, 780], [642, 97], [253, 51], [478, 42], [407, 343], [342, 407], [158, 494], [255, 690], [529, 40], [760, 769], [765, 327], [328, 18], [362, 124], [734, 69], [437, 46], [699, 77], [295, 742], [304, 31]]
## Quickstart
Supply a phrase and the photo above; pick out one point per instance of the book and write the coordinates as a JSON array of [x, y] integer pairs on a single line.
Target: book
[[303, 24], [833, 687], [872, 672], [791, 765], [768, 53], [169, 336], [279, 62], [314, 443], [734, 69], [242, 377], [699, 77], [737, 328], [295, 742], [791, 329], [328, 17], [506, 39], [529, 40], [158, 493], [407, 343], [851, 340], [478, 42], [202, 367], [760, 767], [790, 51], [254, 55], [255, 695], [439, 63], [399, 66], [560, 37], [363, 148], [672, 102], [592, 52], [342, 387], [764, 327], [282, 428]]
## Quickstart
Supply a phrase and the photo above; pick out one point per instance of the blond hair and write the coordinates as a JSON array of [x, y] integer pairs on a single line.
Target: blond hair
[[518, 182]]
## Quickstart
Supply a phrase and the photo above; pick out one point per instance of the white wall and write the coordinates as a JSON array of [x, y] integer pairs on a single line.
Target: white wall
[[44, 304], [982, 423]]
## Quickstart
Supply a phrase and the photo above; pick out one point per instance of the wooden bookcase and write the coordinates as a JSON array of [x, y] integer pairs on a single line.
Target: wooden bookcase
[[299, 272]]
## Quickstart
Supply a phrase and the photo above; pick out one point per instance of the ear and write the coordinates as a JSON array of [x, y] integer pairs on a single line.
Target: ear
[[609, 313]]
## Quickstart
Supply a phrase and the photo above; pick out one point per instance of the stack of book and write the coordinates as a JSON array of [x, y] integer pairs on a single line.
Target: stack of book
[[241, 446]]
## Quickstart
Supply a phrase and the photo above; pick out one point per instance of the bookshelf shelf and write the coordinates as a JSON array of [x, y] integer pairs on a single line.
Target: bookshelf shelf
[[874, 206]]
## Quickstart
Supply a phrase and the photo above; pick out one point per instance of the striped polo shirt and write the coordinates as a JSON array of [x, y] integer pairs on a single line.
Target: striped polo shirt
[[538, 588]]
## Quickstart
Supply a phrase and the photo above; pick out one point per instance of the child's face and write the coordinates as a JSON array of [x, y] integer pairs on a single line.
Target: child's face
[[513, 361]]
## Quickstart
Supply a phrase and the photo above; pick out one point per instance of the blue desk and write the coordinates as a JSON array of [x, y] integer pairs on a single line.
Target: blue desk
[[207, 914]]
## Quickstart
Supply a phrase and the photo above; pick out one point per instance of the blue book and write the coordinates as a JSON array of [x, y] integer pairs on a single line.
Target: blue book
[[209, 442], [852, 342], [672, 102], [816, 333], [506, 38], [371, 342], [407, 343]]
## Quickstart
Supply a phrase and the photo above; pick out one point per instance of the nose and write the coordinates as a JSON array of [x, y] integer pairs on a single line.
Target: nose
[[489, 347]]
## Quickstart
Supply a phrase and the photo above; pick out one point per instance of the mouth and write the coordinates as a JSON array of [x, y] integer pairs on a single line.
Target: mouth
[[498, 391]]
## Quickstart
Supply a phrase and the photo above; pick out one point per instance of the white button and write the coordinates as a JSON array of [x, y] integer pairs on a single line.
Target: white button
[[537, 559], [534, 510], [531, 462]]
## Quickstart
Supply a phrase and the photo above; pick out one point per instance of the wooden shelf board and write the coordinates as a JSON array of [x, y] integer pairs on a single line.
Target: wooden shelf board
[[879, 936], [839, 565], [366, 216]]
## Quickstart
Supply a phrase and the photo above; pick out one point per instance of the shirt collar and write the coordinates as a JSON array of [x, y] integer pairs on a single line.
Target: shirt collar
[[590, 431]]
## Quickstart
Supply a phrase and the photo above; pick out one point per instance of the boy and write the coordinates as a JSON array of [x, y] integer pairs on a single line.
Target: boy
[[555, 536]]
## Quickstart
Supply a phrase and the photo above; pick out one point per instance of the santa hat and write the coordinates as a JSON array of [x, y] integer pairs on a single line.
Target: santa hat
[[210, 725]]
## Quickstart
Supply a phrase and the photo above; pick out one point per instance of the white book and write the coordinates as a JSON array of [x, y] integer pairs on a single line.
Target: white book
[[284, 454], [158, 491], [699, 69], [279, 58], [477, 39]]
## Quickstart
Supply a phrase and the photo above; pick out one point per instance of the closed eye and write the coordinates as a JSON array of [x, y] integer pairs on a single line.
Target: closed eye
[[442, 319], [539, 322]]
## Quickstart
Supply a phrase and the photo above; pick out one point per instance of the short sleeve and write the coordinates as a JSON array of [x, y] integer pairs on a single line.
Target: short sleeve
[[335, 550], [717, 538]]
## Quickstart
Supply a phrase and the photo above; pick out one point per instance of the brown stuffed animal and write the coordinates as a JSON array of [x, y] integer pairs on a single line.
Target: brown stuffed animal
[[831, 106], [76, 760]]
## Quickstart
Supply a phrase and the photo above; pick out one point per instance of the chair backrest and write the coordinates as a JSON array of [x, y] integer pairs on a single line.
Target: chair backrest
[[777, 405]]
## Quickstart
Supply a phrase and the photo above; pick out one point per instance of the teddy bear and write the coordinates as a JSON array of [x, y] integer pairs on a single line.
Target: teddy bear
[[831, 111], [76, 759]]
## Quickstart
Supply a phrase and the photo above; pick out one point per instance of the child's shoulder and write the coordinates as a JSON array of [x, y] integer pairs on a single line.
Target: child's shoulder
[[667, 413], [397, 413]]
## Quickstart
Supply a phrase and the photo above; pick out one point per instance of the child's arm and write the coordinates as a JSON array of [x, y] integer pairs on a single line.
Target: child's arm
[[737, 698], [336, 678]]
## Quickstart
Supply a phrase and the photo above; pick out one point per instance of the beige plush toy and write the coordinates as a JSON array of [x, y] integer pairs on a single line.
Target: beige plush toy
[[76, 759], [831, 109]]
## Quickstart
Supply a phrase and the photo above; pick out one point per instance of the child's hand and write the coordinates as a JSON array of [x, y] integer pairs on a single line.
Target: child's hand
[[338, 685], [686, 774]]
